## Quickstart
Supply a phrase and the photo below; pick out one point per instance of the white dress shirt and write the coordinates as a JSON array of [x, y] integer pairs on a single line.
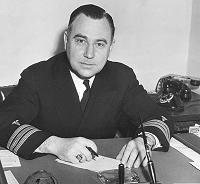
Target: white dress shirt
[[80, 87]]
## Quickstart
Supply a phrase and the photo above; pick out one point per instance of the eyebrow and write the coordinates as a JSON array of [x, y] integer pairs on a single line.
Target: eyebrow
[[80, 35], [102, 40], [85, 37]]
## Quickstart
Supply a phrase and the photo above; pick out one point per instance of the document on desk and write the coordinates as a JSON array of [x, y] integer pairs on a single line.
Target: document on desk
[[9, 159], [191, 154], [188, 152], [98, 164], [10, 177], [196, 165]]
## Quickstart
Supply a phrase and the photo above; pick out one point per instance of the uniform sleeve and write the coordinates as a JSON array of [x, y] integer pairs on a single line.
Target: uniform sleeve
[[18, 110], [138, 105]]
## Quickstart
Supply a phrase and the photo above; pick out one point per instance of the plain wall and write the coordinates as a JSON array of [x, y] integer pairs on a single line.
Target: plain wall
[[152, 36], [194, 47]]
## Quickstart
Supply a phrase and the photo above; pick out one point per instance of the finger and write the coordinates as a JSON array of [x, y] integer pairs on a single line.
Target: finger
[[119, 156], [140, 159], [127, 152], [88, 142], [144, 163], [81, 153], [87, 154], [72, 159], [81, 148], [141, 156], [133, 157], [79, 157], [74, 155]]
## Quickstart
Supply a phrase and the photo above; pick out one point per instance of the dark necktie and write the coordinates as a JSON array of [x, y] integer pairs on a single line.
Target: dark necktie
[[86, 95]]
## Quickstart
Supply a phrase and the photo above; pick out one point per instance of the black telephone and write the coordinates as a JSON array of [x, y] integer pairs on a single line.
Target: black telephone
[[173, 90]]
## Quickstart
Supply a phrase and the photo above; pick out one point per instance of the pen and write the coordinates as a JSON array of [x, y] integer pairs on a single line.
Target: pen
[[149, 161], [121, 173], [93, 153]]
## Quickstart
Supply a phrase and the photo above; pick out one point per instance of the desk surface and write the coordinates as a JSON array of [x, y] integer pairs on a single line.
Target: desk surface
[[171, 167]]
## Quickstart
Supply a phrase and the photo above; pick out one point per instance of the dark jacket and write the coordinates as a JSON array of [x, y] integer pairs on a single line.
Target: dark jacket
[[45, 102]]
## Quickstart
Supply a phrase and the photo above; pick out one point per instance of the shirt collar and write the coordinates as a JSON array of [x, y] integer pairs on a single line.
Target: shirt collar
[[79, 81]]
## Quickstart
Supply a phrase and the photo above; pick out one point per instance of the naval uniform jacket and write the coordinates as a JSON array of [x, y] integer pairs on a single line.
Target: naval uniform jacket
[[45, 102]]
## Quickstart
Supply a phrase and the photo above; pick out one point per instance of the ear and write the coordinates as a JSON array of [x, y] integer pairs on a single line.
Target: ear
[[65, 39], [112, 44]]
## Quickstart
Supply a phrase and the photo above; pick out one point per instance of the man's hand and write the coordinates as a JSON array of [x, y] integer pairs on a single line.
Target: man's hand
[[133, 153], [69, 149]]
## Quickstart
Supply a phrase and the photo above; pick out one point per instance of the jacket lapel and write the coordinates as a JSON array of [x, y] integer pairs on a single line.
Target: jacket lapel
[[65, 94], [101, 96], [101, 91]]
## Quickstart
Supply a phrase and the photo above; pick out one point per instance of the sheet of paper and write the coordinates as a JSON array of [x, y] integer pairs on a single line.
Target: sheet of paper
[[100, 163], [9, 159], [10, 177], [195, 130], [196, 165], [191, 154]]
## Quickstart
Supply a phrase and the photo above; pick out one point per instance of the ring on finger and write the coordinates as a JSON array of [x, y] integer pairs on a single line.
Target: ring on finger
[[79, 157]]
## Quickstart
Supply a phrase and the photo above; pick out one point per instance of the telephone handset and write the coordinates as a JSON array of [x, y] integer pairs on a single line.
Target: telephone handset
[[173, 90]]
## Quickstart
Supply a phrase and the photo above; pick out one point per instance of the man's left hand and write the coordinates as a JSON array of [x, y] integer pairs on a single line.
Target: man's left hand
[[133, 153]]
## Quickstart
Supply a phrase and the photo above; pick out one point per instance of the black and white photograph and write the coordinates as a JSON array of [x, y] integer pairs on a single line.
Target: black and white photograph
[[100, 91]]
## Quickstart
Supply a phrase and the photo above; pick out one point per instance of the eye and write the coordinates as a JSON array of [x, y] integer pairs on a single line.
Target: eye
[[100, 44], [80, 41]]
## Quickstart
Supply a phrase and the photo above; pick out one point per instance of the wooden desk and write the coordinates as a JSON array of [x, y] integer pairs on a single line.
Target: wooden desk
[[171, 167]]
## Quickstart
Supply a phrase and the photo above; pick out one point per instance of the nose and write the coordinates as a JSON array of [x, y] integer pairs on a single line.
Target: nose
[[89, 51]]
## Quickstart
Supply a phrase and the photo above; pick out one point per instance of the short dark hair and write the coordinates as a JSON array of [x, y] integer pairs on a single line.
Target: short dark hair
[[94, 12]]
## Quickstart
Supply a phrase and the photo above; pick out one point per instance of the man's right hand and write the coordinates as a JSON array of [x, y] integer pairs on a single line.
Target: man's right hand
[[68, 149]]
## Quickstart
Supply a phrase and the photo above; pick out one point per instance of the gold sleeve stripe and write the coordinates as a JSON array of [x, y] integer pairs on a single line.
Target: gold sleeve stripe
[[161, 125], [16, 132], [25, 137], [19, 136]]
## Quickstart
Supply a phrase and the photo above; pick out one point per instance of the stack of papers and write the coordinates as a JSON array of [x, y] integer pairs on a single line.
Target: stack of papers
[[10, 178], [195, 130], [9, 159]]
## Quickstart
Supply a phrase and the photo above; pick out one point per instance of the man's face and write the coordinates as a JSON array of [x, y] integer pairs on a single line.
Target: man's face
[[88, 45]]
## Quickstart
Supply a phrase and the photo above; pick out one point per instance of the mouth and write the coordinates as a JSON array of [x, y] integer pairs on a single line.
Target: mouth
[[87, 64]]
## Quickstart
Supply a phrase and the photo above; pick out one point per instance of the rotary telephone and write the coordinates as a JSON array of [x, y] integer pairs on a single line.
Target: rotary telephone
[[173, 90]]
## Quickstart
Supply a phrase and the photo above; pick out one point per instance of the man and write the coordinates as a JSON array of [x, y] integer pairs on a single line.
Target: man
[[43, 113]]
